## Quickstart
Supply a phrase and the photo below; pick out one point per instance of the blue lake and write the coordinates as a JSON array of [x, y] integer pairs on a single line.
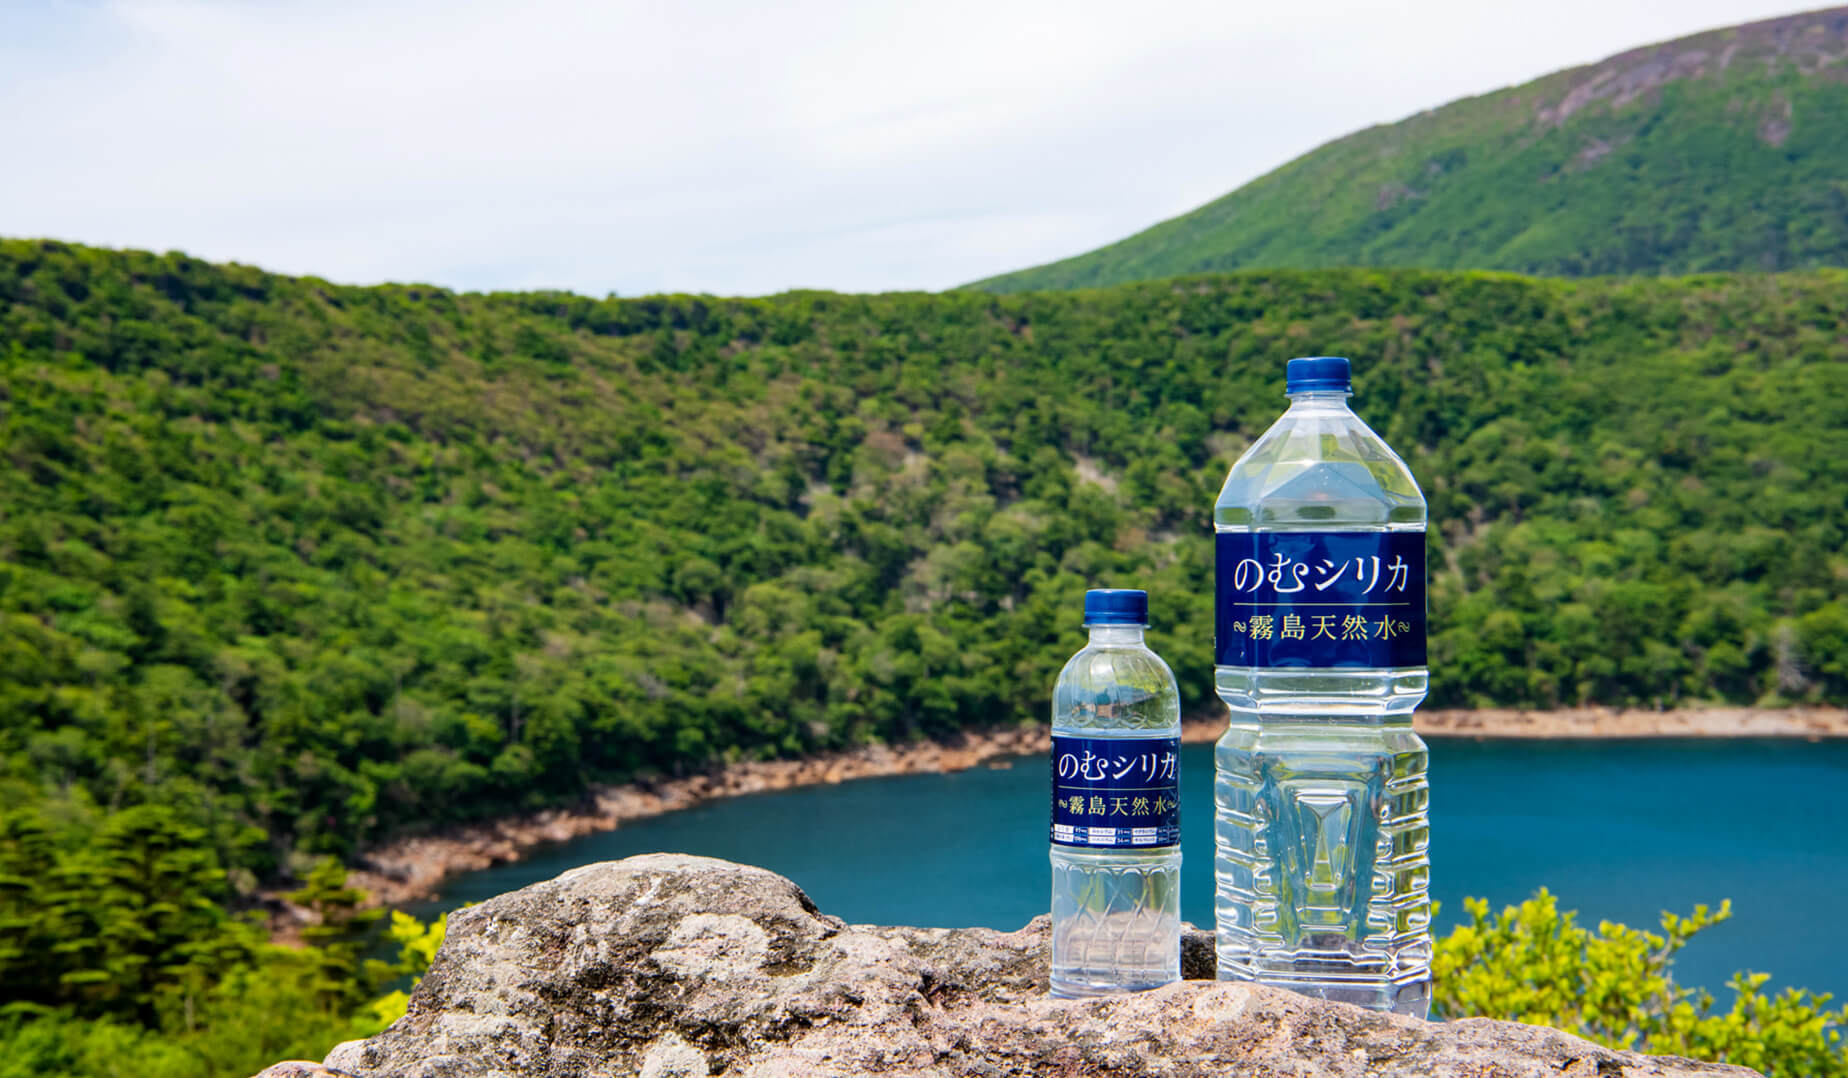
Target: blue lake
[[1619, 830]]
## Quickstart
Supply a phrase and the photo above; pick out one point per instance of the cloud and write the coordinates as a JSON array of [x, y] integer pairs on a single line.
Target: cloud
[[727, 147]]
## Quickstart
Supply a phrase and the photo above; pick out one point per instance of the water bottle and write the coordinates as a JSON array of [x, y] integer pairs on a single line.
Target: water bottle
[[1320, 795], [1116, 808]]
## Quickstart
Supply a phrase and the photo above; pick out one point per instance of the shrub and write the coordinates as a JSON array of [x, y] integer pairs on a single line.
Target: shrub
[[1531, 963]]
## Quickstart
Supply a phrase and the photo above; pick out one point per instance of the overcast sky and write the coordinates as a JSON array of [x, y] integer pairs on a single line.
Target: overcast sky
[[728, 147]]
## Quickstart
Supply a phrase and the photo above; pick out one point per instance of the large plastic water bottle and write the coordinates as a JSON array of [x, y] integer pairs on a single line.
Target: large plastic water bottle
[[1321, 826], [1116, 812]]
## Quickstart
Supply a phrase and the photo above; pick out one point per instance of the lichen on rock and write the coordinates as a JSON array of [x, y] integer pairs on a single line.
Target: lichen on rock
[[669, 966]]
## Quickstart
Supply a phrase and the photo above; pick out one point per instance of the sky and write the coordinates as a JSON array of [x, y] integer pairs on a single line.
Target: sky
[[734, 148]]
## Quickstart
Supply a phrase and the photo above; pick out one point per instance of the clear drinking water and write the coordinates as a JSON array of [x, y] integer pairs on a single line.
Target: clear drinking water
[[1320, 790], [1116, 852]]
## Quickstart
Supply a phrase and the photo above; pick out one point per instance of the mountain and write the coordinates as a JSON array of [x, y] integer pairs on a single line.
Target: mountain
[[1727, 150]]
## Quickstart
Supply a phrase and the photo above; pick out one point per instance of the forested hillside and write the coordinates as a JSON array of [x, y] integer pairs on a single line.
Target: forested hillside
[[1727, 150], [307, 564], [286, 567]]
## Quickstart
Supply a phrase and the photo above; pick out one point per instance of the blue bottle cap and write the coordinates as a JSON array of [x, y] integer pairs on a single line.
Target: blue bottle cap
[[1318, 373], [1116, 606]]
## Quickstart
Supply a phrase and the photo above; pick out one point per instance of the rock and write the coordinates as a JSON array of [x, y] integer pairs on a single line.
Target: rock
[[668, 966], [296, 1068]]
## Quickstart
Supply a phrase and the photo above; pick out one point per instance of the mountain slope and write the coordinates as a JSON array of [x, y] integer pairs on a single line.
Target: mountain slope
[[315, 564], [1727, 150], [288, 567]]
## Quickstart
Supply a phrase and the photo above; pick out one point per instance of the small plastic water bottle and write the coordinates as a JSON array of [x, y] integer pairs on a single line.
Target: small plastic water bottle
[[1116, 812], [1320, 790]]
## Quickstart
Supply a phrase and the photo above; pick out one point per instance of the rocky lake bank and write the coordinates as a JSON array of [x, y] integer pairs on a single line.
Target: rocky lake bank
[[413, 868]]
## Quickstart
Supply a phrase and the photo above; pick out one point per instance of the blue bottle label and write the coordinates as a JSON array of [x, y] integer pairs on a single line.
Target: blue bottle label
[[1320, 599], [1116, 792]]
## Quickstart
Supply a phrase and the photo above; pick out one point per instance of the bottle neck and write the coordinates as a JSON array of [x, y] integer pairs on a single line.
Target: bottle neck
[[1116, 635], [1319, 400]]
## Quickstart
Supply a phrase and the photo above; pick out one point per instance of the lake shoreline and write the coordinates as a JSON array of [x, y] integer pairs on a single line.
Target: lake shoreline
[[415, 867]]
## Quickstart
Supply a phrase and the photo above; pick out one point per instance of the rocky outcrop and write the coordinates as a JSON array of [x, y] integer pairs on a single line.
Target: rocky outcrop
[[668, 966]]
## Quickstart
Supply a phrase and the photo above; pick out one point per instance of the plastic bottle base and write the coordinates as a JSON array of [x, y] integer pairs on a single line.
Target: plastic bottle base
[[1068, 989], [1411, 998]]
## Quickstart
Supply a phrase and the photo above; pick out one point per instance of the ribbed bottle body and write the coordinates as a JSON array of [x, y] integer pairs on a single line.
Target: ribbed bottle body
[[1320, 799]]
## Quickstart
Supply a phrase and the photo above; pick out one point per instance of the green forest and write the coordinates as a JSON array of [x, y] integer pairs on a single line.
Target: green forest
[[1723, 151], [288, 567]]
